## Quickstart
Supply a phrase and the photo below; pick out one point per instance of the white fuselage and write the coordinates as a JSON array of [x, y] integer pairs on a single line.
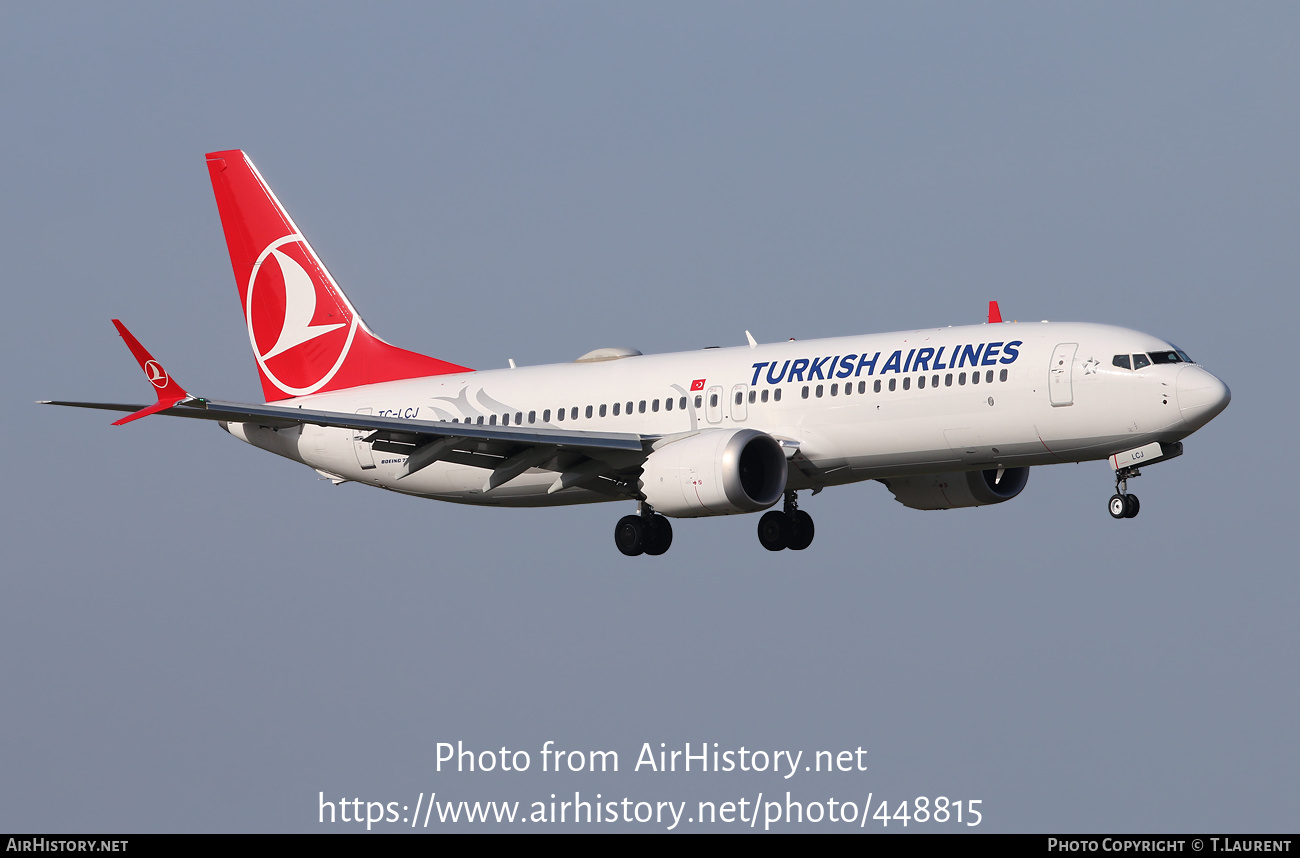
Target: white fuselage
[[1046, 393]]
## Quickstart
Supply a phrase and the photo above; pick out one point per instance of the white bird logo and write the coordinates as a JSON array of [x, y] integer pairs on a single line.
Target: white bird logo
[[156, 374], [299, 308]]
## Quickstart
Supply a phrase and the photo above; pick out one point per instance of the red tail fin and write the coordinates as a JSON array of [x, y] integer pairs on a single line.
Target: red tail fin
[[305, 334], [995, 314]]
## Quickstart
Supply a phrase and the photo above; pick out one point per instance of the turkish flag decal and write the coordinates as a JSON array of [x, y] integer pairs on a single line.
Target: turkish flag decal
[[698, 384]]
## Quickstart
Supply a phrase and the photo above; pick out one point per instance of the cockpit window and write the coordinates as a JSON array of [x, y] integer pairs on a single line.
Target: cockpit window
[[1122, 361], [1140, 361], [1166, 357]]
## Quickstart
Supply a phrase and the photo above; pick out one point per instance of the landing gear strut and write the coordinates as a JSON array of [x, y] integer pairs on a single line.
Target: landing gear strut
[[1122, 504], [647, 532], [791, 528]]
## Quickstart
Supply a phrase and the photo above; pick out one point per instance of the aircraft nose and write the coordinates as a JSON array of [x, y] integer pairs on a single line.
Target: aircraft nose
[[1201, 396]]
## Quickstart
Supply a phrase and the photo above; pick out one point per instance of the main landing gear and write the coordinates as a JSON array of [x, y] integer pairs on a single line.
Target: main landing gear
[[792, 528], [647, 532], [1122, 504]]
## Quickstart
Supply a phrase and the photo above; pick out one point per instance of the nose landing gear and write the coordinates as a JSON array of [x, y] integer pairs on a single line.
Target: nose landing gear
[[1122, 504], [792, 528]]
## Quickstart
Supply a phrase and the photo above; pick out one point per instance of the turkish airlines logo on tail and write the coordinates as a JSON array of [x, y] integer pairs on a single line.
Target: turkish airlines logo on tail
[[299, 323], [299, 308]]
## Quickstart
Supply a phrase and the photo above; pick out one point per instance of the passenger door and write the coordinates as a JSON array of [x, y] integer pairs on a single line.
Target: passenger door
[[1060, 385]]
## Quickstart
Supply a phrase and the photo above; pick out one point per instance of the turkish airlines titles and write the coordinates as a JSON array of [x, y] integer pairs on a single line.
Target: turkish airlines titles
[[916, 360]]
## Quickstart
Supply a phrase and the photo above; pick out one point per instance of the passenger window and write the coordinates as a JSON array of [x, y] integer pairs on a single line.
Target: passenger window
[[629, 408], [1140, 361], [835, 390], [893, 383], [532, 416], [740, 398], [546, 416], [668, 404], [681, 403], [961, 379], [907, 383], [764, 396], [699, 400], [654, 406], [877, 386], [480, 420], [819, 391], [947, 380], [574, 413], [776, 395], [805, 391], [862, 387], [602, 409], [493, 420], [753, 394], [559, 414], [975, 377], [640, 408], [1002, 376], [615, 409], [505, 419], [1121, 361], [920, 383], [988, 377], [934, 382]]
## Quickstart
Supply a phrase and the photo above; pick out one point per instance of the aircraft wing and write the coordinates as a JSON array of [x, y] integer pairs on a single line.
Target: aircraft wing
[[596, 460], [601, 461], [279, 416]]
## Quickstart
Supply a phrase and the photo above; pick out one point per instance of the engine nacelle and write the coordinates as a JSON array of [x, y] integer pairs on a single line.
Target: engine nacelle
[[715, 472], [958, 489]]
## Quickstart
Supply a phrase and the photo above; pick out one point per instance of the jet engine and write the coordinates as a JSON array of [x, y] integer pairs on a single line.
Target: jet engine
[[958, 489], [715, 472]]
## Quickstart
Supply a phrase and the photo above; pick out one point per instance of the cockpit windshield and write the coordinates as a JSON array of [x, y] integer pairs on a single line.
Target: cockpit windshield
[[1138, 361]]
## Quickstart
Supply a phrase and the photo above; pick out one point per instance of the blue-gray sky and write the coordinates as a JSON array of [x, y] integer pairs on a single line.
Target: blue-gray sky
[[197, 636]]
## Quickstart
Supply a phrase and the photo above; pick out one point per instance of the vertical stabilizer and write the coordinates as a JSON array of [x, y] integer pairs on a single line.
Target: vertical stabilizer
[[306, 336]]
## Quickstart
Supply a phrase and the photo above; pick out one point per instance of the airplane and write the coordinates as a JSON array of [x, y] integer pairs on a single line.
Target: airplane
[[945, 418]]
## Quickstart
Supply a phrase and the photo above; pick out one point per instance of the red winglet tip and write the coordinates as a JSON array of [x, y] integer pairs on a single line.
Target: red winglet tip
[[160, 405], [169, 390], [995, 315]]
